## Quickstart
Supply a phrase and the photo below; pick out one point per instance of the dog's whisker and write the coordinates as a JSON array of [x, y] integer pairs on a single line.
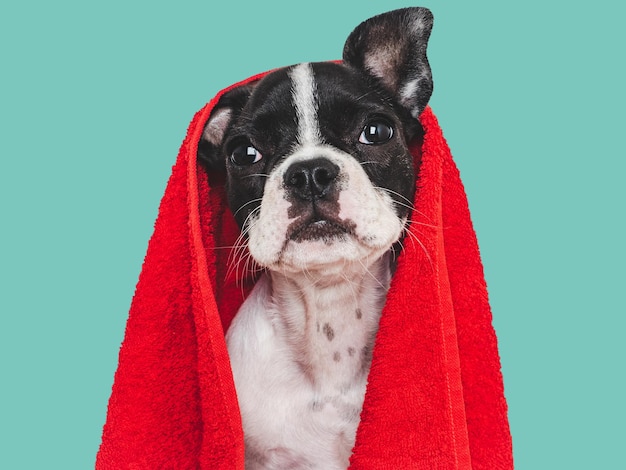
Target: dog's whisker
[[353, 290], [424, 224], [420, 213], [363, 96], [225, 247], [309, 276], [370, 274], [253, 201], [240, 256], [415, 239], [235, 264], [398, 203], [408, 204], [407, 224], [264, 175]]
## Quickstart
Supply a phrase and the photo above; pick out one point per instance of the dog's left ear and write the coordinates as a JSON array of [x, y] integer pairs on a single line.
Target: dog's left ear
[[222, 116], [392, 48]]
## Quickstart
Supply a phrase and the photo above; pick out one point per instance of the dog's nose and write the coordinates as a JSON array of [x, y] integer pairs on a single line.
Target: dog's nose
[[311, 179]]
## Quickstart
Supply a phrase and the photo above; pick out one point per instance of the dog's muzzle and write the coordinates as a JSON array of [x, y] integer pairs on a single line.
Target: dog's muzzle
[[312, 187], [320, 211]]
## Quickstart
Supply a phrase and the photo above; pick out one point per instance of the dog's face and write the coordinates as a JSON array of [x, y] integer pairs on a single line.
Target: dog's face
[[318, 169]]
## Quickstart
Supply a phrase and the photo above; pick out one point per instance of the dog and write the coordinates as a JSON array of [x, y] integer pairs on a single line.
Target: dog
[[320, 179]]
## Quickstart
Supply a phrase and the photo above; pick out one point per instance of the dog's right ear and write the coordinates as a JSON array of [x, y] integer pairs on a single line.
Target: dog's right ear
[[222, 116], [391, 48]]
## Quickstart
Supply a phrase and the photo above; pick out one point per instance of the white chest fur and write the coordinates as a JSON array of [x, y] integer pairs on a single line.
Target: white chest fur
[[300, 351]]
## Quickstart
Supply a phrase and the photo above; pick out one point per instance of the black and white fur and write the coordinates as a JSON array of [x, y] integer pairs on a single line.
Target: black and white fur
[[321, 182]]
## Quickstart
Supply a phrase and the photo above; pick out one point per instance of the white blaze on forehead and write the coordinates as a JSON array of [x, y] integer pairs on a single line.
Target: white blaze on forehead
[[303, 92]]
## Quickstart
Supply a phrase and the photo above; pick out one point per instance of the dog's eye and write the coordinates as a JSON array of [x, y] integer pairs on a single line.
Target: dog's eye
[[376, 132], [244, 155]]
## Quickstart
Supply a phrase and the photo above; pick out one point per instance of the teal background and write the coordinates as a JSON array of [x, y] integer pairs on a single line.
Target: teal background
[[95, 98]]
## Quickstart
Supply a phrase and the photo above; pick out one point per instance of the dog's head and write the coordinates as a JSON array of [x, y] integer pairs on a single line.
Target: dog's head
[[319, 174]]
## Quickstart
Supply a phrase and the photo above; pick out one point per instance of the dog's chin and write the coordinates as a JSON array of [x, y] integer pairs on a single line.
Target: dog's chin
[[325, 249], [326, 256]]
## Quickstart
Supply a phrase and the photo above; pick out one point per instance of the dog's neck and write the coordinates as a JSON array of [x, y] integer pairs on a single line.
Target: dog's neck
[[329, 323]]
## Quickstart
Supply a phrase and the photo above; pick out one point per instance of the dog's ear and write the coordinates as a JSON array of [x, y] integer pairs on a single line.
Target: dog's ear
[[222, 116], [392, 48]]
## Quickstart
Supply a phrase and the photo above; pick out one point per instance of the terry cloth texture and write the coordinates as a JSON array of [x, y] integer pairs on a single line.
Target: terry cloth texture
[[434, 399]]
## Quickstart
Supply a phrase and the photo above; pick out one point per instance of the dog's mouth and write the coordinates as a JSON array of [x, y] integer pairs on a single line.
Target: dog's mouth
[[319, 228]]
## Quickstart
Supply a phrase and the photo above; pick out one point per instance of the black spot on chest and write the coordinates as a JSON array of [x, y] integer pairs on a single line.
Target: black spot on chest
[[328, 331]]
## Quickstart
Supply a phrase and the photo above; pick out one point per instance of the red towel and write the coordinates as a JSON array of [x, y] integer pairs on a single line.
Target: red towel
[[434, 400]]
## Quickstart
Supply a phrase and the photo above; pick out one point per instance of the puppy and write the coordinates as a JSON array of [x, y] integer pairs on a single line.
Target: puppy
[[321, 181]]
